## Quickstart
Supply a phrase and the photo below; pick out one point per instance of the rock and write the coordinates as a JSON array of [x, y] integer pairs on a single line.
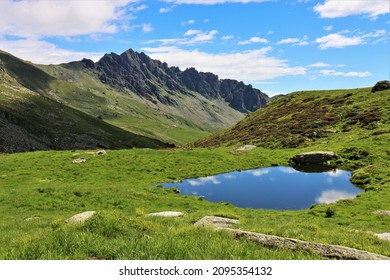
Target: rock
[[315, 157], [80, 218], [101, 153], [246, 148], [216, 222], [330, 130], [383, 236], [166, 214], [31, 218], [382, 212], [381, 85], [79, 160], [324, 250]]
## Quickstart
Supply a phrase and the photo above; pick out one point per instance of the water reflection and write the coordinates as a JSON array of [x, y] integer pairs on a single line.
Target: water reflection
[[279, 188]]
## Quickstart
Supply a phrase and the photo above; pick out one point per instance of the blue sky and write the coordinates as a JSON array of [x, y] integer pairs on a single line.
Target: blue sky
[[278, 46]]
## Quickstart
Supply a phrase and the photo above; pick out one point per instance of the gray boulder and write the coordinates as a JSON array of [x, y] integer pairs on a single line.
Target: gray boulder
[[216, 222], [381, 85], [383, 236], [315, 157], [80, 218]]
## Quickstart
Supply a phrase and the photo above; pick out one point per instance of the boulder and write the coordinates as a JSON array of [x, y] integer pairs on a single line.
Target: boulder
[[166, 214], [315, 157], [80, 218], [383, 236], [216, 222], [101, 153], [381, 85]]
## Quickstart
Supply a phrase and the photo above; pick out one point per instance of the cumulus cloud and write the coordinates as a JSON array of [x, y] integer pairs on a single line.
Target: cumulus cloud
[[191, 37], [147, 27], [42, 52], [60, 18], [338, 41], [335, 9], [254, 40], [252, 65]]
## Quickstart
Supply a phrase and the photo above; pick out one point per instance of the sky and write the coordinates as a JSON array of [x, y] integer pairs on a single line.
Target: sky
[[278, 46]]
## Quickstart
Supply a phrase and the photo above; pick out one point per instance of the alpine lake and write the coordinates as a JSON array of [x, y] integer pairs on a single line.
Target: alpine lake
[[279, 188]]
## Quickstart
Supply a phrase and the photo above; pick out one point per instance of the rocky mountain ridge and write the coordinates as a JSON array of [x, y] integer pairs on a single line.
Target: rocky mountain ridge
[[149, 77]]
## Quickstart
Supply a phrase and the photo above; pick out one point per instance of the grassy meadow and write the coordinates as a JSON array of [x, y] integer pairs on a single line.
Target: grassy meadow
[[40, 190]]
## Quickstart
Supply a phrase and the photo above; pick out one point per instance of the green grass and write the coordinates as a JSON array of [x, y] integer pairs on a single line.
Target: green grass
[[48, 186]]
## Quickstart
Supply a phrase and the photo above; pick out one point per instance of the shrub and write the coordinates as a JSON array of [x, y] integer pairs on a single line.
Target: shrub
[[330, 212]]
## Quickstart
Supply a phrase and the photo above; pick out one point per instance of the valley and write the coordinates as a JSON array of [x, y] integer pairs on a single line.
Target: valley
[[40, 190]]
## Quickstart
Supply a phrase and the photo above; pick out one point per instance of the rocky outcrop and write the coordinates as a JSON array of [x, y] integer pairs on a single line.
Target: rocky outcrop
[[324, 250], [150, 78], [315, 157], [381, 85]]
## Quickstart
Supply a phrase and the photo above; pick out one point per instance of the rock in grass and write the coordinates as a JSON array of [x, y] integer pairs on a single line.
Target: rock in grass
[[79, 160], [382, 212], [216, 222], [166, 214], [246, 148], [101, 153], [381, 85], [315, 157], [80, 218], [383, 236]]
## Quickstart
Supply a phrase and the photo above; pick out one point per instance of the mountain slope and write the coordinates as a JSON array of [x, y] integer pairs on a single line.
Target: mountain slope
[[32, 121], [304, 118]]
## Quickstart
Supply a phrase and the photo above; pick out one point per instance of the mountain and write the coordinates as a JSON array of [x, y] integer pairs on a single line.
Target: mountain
[[151, 78], [305, 118], [32, 121], [120, 101]]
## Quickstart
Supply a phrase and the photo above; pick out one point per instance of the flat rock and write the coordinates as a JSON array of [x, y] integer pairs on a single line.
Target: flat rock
[[382, 212], [246, 148], [79, 160], [80, 218], [315, 157], [383, 236], [216, 222], [166, 214]]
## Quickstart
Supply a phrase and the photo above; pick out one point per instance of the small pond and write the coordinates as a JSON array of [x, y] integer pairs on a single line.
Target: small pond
[[280, 188]]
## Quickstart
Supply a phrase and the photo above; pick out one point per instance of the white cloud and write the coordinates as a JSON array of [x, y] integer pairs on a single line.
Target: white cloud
[[192, 32], [345, 74], [213, 2], [188, 22], [40, 18], [147, 27], [288, 41], [287, 170], [259, 173], [43, 52], [328, 28], [335, 9], [165, 10], [192, 37], [294, 41], [253, 65], [338, 41], [318, 64], [254, 40]]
